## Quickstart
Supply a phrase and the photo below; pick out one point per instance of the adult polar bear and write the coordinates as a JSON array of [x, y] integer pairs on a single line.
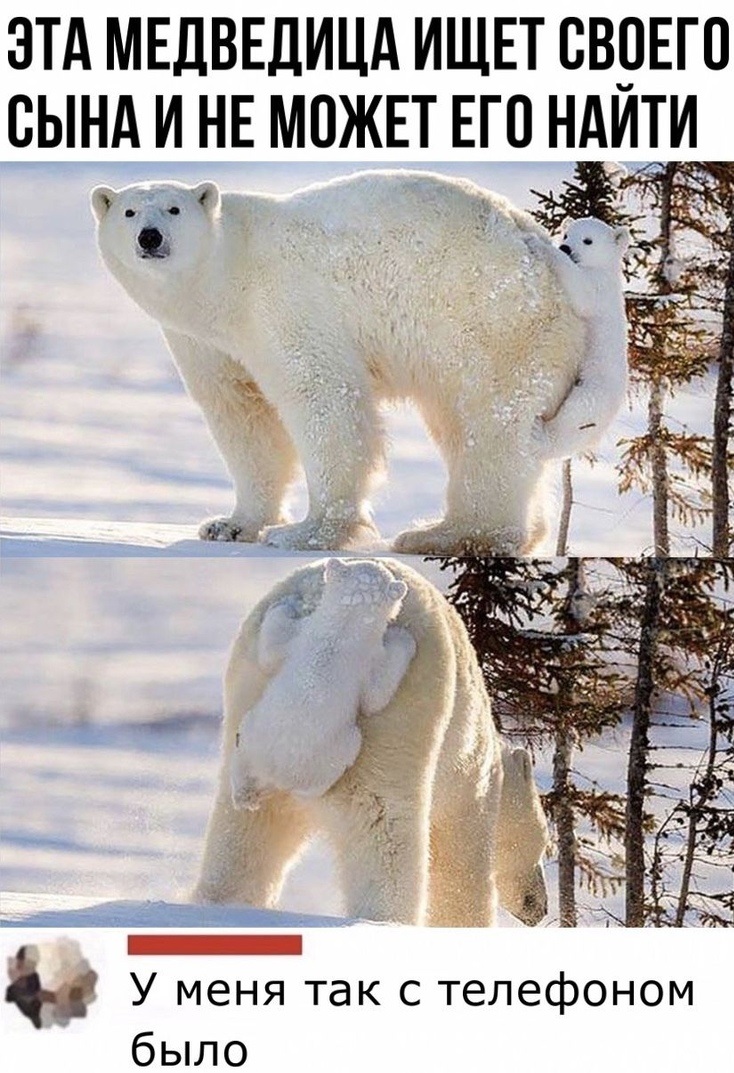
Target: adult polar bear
[[291, 317], [434, 820]]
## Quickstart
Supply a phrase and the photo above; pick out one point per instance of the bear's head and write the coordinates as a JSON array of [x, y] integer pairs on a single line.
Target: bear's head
[[362, 585], [594, 244], [521, 841], [151, 227]]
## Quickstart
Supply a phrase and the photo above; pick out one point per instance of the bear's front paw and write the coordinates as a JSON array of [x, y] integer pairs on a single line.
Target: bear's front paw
[[229, 529], [321, 535]]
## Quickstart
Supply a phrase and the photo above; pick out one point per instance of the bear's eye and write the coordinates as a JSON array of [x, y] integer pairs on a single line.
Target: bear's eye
[[588, 241], [129, 212], [174, 210]]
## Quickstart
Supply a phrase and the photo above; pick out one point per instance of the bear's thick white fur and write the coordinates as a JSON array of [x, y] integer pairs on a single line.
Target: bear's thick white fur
[[291, 318], [433, 820], [589, 267], [341, 660]]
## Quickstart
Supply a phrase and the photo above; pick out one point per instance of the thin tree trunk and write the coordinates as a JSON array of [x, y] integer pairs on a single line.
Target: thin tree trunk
[[634, 837], [660, 478], [660, 491], [564, 524], [564, 821], [565, 739], [699, 797], [722, 413]]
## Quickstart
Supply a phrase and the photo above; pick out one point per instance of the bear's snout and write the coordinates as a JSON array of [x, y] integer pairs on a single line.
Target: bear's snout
[[565, 249], [150, 240]]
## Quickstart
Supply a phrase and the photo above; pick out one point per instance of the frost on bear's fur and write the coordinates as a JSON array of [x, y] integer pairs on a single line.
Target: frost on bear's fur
[[328, 667], [291, 318], [432, 820], [589, 267]]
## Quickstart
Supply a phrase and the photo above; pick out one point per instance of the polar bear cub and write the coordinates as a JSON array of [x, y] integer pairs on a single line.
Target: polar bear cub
[[343, 659], [589, 267]]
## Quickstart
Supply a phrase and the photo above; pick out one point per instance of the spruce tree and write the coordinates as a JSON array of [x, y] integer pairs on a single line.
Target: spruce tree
[[540, 644], [720, 270], [669, 615], [673, 339], [571, 649]]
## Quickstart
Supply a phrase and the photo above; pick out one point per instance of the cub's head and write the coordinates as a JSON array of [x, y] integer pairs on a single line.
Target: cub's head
[[365, 584], [594, 244], [521, 841], [155, 226]]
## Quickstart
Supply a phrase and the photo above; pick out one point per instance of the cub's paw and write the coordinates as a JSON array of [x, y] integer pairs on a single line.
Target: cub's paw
[[540, 440], [247, 796], [228, 529], [536, 244]]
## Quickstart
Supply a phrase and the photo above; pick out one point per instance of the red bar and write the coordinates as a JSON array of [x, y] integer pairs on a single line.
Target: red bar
[[214, 944]]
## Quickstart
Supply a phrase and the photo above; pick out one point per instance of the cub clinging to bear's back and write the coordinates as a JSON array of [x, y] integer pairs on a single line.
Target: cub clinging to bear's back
[[343, 660], [589, 267]]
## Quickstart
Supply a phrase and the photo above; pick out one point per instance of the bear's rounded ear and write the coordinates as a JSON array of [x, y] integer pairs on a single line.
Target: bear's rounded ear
[[208, 196], [622, 237], [396, 590], [566, 224], [101, 199]]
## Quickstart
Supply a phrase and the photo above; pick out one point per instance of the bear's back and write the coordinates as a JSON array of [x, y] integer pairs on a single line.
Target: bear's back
[[417, 202]]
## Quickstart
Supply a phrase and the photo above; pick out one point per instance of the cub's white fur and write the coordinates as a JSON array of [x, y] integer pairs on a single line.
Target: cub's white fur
[[291, 318], [436, 817], [589, 267], [343, 659]]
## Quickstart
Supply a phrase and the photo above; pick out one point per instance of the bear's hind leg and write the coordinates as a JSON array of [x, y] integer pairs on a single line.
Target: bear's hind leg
[[461, 887], [493, 474], [247, 854], [381, 844]]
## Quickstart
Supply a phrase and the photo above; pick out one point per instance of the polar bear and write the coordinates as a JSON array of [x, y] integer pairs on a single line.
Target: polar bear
[[589, 267], [291, 318], [434, 821], [342, 659]]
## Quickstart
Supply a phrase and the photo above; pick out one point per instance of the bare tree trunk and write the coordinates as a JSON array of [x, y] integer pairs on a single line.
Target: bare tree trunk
[[565, 740], [701, 794], [634, 837], [660, 478], [564, 821], [563, 525], [722, 412], [660, 491]]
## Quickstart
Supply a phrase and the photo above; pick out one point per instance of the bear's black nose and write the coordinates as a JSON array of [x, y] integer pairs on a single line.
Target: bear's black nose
[[150, 238], [564, 248]]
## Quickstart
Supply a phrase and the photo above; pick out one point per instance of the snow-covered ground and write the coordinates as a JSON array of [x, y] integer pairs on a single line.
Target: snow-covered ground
[[111, 673], [96, 425]]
